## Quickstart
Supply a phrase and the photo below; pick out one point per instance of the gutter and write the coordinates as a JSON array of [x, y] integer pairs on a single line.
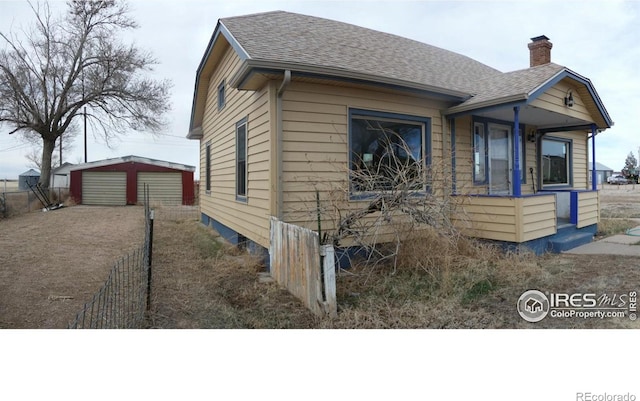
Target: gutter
[[456, 111], [279, 140], [239, 78]]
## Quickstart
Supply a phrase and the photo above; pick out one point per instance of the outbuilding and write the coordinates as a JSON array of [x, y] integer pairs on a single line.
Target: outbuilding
[[120, 181], [28, 179]]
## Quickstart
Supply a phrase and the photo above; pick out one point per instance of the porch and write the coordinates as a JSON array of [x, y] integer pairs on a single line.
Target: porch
[[543, 222]]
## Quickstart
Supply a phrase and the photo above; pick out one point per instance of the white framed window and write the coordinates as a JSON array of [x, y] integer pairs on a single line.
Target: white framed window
[[241, 159], [556, 161], [221, 95]]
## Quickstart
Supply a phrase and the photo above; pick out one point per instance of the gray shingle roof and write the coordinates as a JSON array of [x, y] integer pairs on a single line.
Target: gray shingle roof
[[514, 83], [310, 41]]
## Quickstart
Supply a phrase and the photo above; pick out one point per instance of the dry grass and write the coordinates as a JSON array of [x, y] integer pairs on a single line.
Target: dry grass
[[608, 227], [200, 282], [436, 280], [52, 262]]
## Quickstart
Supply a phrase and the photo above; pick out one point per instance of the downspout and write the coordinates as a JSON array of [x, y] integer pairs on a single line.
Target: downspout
[[517, 185], [279, 140], [594, 173], [452, 125]]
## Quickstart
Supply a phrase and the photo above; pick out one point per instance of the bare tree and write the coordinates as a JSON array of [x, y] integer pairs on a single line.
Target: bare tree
[[63, 65], [34, 156]]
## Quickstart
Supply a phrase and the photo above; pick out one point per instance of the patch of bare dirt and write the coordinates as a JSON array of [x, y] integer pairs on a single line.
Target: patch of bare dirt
[[51, 263]]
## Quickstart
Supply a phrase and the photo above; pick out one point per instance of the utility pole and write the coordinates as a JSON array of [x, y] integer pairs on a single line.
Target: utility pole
[[85, 131]]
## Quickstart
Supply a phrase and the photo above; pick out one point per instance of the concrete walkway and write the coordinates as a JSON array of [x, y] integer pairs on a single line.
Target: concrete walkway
[[624, 245]]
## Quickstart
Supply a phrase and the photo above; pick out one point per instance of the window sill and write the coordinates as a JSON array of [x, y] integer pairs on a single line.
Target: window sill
[[361, 196], [551, 187], [242, 199]]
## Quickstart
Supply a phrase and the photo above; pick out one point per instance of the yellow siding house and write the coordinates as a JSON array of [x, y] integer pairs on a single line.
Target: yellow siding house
[[281, 100]]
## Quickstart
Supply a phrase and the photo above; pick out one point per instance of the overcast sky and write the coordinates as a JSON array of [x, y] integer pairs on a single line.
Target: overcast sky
[[597, 39]]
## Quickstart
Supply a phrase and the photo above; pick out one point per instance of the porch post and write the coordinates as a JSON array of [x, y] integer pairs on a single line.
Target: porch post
[[594, 173], [517, 185]]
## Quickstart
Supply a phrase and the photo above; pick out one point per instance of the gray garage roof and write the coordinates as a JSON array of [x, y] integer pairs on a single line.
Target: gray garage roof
[[132, 159]]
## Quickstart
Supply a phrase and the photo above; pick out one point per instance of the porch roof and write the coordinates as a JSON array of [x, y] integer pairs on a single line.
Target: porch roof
[[496, 95]]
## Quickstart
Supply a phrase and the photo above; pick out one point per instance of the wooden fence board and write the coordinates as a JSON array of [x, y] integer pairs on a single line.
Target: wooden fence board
[[296, 264]]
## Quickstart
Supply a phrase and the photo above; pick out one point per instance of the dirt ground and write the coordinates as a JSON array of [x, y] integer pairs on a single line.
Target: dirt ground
[[51, 263]]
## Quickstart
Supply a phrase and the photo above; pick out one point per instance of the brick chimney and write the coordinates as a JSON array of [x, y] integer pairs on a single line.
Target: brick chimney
[[539, 51]]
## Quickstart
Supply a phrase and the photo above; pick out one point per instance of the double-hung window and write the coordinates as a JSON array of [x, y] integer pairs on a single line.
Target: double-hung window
[[479, 154], [221, 96], [241, 159], [556, 161], [388, 150]]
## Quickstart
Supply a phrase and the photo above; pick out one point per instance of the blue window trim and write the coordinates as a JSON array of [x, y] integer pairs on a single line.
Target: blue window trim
[[550, 187], [426, 121], [523, 144], [239, 197], [222, 96]]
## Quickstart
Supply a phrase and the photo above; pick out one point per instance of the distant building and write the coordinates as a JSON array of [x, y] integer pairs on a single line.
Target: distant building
[[28, 178], [602, 173], [60, 176]]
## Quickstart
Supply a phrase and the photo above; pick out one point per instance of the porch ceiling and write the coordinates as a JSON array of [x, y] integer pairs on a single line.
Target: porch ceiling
[[531, 115]]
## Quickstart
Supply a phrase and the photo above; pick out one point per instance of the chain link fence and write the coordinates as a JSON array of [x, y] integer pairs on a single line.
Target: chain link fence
[[125, 297]]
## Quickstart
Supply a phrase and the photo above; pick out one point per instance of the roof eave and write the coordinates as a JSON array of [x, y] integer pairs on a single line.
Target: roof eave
[[215, 37], [195, 133], [564, 73], [249, 66], [463, 108]]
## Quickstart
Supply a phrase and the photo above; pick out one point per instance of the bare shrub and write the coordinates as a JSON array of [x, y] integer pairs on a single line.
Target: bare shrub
[[398, 199]]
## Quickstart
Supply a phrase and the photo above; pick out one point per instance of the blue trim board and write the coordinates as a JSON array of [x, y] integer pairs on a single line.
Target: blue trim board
[[573, 207], [566, 238], [237, 239], [517, 174]]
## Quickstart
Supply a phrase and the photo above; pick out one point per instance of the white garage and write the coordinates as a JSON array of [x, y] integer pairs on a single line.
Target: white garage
[[164, 188], [104, 188]]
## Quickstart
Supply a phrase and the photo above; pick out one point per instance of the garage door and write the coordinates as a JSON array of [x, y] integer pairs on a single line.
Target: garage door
[[104, 188], [164, 188]]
